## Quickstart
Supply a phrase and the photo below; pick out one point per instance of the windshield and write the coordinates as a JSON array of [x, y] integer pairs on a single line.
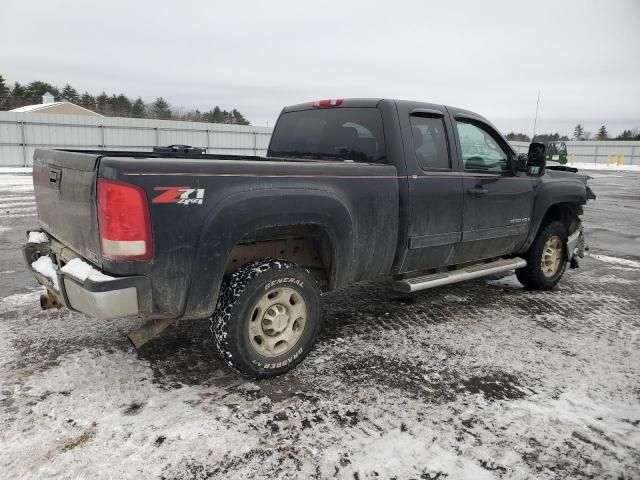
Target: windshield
[[330, 133]]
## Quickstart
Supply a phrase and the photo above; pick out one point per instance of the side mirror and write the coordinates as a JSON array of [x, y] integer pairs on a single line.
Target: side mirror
[[519, 163], [536, 159]]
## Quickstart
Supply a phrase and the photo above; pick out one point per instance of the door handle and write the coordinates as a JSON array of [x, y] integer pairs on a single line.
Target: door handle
[[477, 191], [54, 178]]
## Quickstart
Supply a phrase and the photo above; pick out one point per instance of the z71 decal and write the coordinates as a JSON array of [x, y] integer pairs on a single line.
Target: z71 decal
[[179, 195]]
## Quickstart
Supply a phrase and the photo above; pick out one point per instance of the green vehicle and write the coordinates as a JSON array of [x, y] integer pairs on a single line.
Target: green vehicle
[[556, 152]]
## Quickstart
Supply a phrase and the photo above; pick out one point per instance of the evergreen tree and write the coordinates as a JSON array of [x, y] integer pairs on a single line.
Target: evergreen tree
[[4, 95], [17, 96], [160, 109], [35, 90], [602, 133], [120, 105], [578, 132], [625, 135], [550, 137], [116, 105], [518, 137], [218, 115], [87, 101], [125, 105], [138, 109], [238, 118], [69, 94], [102, 104], [114, 108]]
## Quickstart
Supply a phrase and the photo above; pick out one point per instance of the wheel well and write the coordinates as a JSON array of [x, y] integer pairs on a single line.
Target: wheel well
[[566, 213], [305, 245]]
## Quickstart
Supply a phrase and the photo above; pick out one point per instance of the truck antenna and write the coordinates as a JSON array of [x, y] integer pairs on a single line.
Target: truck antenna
[[535, 120]]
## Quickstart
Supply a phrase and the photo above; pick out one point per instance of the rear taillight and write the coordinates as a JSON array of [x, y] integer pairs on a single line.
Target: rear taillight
[[123, 220], [327, 103]]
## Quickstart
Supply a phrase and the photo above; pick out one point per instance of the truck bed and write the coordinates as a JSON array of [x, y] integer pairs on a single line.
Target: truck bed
[[356, 204]]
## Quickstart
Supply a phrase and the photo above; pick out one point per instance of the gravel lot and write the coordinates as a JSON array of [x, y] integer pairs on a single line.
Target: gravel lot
[[480, 380]]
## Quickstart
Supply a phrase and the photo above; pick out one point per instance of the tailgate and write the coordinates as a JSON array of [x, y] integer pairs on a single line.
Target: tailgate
[[65, 189]]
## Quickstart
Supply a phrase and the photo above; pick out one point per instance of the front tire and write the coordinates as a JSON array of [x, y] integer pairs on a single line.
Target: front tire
[[267, 318], [546, 259]]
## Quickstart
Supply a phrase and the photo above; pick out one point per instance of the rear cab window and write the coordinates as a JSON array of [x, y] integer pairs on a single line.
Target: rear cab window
[[342, 133], [430, 142]]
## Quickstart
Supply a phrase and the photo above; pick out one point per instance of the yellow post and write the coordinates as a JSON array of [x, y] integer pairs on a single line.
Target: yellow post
[[620, 160], [608, 160], [573, 159]]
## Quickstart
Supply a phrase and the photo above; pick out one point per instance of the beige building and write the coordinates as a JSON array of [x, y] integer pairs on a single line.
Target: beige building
[[49, 105]]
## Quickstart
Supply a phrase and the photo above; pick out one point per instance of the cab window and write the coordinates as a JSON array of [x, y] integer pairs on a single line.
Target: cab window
[[330, 133], [479, 150], [430, 143]]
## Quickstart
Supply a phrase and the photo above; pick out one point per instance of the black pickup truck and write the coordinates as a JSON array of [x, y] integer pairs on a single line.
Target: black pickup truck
[[350, 190]]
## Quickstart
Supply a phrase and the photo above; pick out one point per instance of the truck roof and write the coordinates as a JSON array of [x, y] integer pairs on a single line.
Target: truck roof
[[373, 102]]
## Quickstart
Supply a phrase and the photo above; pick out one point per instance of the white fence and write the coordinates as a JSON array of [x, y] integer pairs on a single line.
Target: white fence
[[612, 152], [22, 133]]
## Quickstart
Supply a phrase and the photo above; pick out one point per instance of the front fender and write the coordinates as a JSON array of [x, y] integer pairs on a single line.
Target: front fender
[[242, 213], [549, 194]]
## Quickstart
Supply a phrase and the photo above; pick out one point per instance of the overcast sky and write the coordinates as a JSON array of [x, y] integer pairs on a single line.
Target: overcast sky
[[487, 56]]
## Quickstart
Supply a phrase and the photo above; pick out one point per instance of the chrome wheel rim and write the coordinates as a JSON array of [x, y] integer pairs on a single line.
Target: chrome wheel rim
[[551, 256], [277, 321]]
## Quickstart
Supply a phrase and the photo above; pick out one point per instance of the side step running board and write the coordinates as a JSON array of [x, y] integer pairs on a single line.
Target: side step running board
[[408, 285]]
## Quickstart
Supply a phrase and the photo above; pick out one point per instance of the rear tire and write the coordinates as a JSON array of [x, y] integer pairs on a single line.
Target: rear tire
[[267, 318], [546, 258]]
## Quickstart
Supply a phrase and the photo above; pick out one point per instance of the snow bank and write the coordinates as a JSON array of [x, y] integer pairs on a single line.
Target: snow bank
[[510, 281], [617, 261], [10, 170], [37, 237], [603, 166], [82, 270], [45, 266], [14, 183]]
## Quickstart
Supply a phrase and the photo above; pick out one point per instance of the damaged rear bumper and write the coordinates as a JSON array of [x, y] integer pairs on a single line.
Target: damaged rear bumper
[[104, 299]]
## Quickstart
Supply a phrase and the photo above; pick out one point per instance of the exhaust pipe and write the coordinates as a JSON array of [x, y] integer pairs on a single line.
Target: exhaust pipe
[[49, 300], [149, 330]]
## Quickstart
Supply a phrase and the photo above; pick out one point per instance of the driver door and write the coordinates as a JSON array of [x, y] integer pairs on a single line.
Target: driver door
[[497, 204]]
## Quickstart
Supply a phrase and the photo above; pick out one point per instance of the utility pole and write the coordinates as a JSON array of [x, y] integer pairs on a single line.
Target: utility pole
[[535, 120]]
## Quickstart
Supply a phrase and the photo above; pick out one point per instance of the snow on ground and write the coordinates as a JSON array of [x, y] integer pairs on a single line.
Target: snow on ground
[[13, 302], [509, 281], [17, 201], [604, 166], [471, 381], [617, 261], [480, 380], [13, 183], [14, 170]]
